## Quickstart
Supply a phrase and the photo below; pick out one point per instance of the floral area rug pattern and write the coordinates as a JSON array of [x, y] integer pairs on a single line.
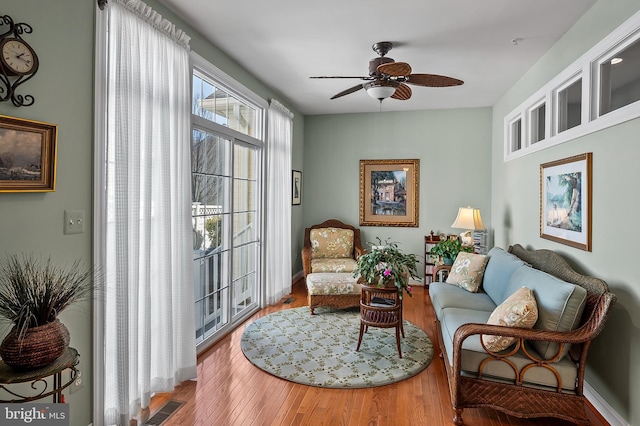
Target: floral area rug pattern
[[320, 350]]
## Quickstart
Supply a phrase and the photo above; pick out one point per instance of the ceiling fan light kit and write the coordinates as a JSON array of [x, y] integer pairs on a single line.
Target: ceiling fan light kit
[[387, 77], [380, 90]]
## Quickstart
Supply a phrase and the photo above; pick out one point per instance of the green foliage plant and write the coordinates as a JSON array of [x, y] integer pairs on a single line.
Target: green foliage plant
[[386, 263], [449, 248]]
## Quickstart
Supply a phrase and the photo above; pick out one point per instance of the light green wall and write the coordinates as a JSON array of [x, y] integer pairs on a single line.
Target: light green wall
[[453, 147], [63, 89], [63, 38], [613, 363]]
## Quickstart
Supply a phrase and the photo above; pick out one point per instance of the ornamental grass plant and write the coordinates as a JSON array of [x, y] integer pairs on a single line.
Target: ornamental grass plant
[[34, 292]]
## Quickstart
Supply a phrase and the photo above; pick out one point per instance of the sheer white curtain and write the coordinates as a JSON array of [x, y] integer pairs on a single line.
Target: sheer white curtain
[[149, 332], [278, 213]]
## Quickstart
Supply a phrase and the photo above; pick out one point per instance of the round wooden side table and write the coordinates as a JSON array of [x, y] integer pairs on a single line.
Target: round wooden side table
[[380, 307], [38, 379]]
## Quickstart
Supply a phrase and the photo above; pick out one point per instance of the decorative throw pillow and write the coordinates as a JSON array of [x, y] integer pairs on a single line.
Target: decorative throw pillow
[[518, 310], [467, 271]]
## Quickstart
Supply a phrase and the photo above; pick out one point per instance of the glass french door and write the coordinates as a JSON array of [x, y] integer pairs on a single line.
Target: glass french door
[[226, 232]]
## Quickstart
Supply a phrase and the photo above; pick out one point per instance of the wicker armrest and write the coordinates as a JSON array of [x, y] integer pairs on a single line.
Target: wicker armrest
[[579, 335], [589, 329], [306, 260]]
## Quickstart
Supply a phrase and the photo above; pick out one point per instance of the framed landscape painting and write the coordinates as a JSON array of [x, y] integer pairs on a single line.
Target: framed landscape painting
[[565, 201], [389, 192], [27, 155]]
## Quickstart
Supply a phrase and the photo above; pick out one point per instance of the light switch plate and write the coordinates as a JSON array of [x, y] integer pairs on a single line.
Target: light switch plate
[[73, 222]]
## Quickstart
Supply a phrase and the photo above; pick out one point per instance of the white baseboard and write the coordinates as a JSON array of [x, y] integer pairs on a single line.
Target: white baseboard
[[598, 402]]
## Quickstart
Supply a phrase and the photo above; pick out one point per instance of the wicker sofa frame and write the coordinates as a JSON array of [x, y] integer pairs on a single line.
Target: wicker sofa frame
[[514, 398], [330, 223]]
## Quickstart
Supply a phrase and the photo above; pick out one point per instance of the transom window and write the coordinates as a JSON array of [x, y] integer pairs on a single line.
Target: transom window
[[599, 90]]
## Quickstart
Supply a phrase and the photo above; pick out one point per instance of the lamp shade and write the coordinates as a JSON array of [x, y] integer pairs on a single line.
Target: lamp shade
[[380, 89], [468, 218]]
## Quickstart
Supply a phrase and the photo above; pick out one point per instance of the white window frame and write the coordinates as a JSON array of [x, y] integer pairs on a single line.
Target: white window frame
[[586, 67], [532, 121], [556, 101], [208, 71]]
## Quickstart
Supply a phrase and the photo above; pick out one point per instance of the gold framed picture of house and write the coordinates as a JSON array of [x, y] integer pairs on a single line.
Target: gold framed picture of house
[[565, 201], [27, 155], [389, 192]]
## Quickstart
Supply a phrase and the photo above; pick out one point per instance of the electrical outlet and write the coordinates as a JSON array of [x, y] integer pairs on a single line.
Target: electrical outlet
[[77, 384], [73, 222]]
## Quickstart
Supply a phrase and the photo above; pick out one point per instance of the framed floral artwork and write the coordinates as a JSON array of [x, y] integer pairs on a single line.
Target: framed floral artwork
[[27, 155], [389, 192], [565, 201]]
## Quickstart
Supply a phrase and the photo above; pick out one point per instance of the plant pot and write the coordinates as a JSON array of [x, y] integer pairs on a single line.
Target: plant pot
[[39, 346], [447, 260]]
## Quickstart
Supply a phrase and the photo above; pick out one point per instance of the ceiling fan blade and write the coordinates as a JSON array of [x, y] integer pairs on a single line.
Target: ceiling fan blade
[[402, 93], [348, 91], [433, 80], [395, 69], [339, 76]]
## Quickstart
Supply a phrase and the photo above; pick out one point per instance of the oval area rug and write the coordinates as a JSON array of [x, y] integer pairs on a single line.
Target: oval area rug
[[320, 350]]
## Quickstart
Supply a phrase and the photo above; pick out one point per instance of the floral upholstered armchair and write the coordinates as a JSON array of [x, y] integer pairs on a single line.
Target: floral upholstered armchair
[[331, 246]]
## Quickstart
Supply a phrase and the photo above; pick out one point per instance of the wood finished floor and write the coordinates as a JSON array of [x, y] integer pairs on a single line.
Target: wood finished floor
[[231, 391]]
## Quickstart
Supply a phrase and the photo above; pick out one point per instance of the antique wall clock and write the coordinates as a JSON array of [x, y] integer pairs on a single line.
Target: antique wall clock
[[18, 61]]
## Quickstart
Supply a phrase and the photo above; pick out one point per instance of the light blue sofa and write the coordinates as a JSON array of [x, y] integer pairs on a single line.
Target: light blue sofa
[[542, 374]]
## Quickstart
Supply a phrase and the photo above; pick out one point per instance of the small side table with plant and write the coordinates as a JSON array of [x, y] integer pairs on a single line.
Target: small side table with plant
[[386, 265], [448, 249]]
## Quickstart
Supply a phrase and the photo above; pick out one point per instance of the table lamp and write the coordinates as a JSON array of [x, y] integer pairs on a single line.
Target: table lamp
[[470, 219]]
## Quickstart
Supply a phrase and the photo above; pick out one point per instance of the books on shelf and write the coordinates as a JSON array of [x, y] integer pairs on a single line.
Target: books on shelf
[[430, 261], [480, 242]]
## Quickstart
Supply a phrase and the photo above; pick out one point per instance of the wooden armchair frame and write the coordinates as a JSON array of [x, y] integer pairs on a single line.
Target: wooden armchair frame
[[330, 223]]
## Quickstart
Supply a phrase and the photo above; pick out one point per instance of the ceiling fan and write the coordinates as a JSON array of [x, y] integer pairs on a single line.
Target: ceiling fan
[[388, 78]]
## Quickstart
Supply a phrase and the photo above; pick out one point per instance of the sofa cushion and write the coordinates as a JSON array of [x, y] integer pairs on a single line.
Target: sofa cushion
[[445, 295], [518, 310], [467, 271], [560, 304], [332, 243], [473, 355], [500, 267], [343, 264]]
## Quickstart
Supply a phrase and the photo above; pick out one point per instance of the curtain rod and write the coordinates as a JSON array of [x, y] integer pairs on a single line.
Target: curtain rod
[[102, 4]]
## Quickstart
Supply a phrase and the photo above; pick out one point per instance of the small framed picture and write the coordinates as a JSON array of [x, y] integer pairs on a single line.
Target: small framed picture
[[296, 187], [27, 155]]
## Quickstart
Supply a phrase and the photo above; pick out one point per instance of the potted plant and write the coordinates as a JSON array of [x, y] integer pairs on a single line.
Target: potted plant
[[449, 248], [386, 265], [32, 295]]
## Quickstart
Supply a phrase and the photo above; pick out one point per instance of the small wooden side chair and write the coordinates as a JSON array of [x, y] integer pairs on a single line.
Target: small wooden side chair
[[380, 307]]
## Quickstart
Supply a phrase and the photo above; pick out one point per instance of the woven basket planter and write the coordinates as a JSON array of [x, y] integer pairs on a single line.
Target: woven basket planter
[[39, 347]]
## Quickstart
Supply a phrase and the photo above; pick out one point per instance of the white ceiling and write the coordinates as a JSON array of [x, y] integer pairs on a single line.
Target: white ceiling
[[284, 42]]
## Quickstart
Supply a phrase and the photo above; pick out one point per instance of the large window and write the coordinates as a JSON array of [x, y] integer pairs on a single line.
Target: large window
[[226, 204]]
